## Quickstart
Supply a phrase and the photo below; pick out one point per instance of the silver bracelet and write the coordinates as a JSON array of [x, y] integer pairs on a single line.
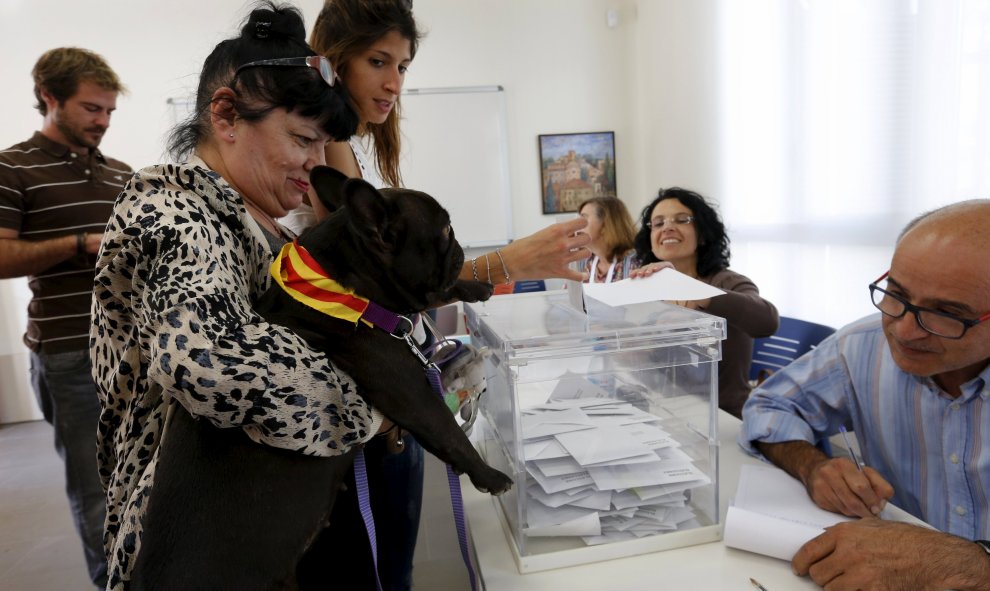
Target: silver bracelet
[[474, 268], [504, 268], [488, 268]]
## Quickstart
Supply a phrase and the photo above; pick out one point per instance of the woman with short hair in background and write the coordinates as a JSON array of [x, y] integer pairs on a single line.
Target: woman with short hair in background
[[681, 228]]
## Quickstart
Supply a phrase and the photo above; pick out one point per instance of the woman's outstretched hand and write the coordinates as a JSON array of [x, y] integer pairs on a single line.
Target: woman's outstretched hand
[[548, 252]]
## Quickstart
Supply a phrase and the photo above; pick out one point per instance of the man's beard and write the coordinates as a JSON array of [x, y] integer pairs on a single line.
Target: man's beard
[[74, 137]]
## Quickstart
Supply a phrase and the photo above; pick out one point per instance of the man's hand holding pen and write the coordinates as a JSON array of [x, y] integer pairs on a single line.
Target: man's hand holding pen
[[837, 485], [834, 484]]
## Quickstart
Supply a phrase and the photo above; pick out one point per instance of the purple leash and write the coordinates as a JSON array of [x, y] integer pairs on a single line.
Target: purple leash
[[456, 501], [393, 324], [364, 503]]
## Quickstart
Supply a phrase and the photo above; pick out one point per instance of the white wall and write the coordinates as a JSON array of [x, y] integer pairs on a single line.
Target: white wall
[[563, 69]]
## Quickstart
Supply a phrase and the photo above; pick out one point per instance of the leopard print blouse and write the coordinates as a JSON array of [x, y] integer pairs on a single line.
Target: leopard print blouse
[[180, 264]]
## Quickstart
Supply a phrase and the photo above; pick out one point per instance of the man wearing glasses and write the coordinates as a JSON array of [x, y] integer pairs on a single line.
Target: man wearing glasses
[[913, 383]]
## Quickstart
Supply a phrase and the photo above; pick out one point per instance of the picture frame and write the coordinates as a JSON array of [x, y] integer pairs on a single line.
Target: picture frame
[[575, 167]]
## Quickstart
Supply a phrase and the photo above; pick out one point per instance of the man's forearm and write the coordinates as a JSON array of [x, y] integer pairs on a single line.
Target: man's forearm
[[19, 258], [797, 458]]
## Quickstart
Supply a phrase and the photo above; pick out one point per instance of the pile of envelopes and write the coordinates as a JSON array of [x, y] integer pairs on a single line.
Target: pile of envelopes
[[603, 469]]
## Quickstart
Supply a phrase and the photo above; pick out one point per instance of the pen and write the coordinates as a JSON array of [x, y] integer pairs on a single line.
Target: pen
[[845, 437], [757, 584]]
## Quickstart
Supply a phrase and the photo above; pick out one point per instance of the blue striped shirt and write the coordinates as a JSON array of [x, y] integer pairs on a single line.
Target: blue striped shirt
[[930, 447]]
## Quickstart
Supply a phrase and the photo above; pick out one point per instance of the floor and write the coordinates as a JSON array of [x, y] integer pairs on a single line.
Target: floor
[[39, 550]]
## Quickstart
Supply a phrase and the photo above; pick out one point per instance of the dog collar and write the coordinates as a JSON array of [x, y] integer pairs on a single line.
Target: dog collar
[[305, 280]]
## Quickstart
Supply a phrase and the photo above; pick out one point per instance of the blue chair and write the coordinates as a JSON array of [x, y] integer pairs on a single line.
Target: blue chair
[[793, 339]]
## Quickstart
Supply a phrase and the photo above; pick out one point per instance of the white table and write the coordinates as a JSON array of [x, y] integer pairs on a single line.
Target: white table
[[704, 567]]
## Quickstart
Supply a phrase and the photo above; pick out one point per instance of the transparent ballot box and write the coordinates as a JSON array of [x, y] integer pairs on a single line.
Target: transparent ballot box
[[607, 422]]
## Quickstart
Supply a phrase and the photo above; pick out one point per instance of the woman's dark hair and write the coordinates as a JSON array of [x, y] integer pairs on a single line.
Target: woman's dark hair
[[272, 31], [713, 242], [344, 29]]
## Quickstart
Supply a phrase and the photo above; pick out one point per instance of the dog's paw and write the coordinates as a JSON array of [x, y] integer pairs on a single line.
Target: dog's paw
[[471, 291], [491, 481]]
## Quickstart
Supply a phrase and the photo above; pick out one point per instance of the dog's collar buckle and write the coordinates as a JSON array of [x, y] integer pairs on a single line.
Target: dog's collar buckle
[[402, 329], [415, 350]]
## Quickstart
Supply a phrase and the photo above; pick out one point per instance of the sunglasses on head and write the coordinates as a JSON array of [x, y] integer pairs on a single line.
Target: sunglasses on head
[[317, 62]]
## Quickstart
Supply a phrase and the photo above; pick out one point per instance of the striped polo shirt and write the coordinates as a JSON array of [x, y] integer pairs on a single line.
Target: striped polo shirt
[[48, 191]]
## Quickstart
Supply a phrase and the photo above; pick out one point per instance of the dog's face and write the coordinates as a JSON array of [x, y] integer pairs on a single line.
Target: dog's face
[[395, 246]]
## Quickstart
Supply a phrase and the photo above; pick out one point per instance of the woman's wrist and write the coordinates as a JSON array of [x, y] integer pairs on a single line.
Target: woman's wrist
[[505, 268]]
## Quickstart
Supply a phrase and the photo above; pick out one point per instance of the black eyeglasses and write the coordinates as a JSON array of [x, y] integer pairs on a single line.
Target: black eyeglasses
[[679, 220], [940, 324], [317, 62]]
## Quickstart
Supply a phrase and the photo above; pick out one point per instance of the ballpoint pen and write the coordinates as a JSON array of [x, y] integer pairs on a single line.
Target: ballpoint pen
[[852, 454], [757, 584]]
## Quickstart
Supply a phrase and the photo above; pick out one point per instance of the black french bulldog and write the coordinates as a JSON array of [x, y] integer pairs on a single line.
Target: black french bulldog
[[227, 513]]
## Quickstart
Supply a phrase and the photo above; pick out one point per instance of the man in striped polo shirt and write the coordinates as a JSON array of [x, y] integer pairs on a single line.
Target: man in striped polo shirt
[[56, 194]]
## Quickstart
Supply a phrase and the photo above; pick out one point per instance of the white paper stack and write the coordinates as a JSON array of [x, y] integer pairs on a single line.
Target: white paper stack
[[602, 469]]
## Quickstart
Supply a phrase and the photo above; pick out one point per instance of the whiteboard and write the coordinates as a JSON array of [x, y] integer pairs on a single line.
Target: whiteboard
[[454, 147]]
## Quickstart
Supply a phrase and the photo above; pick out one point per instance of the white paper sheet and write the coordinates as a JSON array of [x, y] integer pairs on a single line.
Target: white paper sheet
[[772, 492], [572, 386], [773, 515], [543, 449], [756, 532], [557, 499], [545, 424], [668, 284], [585, 525], [556, 484], [601, 445], [631, 476]]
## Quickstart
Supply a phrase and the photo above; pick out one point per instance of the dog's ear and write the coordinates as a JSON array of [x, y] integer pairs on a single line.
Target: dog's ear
[[329, 185], [368, 210]]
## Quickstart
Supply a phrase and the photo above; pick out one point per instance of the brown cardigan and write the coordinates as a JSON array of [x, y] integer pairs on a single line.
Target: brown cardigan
[[748, 316]]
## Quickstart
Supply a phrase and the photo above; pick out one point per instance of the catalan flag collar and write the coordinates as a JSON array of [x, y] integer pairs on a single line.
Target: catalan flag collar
[[298, 273]]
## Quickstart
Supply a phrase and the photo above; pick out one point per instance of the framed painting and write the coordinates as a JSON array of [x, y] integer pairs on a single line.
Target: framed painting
[[575, 167]]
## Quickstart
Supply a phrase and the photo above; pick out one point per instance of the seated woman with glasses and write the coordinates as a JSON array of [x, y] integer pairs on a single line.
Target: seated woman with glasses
[[187, 251], [680, 228], [610, 228]]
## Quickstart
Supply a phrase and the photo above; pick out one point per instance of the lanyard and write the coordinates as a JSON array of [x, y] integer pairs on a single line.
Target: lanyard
[[594, 271]]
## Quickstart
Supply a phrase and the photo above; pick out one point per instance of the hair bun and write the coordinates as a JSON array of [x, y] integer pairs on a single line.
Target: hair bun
[[275, 22]]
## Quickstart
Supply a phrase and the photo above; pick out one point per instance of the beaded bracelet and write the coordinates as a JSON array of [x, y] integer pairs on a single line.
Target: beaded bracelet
[[504, 268]]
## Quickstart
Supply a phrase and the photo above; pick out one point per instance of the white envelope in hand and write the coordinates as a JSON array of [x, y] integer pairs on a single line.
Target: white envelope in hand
[[667, 284]]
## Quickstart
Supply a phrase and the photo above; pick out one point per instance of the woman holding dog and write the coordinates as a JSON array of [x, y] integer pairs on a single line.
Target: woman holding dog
[[371, 44], [188, 250]]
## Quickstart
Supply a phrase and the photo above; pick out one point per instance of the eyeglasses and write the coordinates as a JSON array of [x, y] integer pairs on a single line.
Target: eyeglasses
[[938, 323], [678, 220], [317, 62]]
